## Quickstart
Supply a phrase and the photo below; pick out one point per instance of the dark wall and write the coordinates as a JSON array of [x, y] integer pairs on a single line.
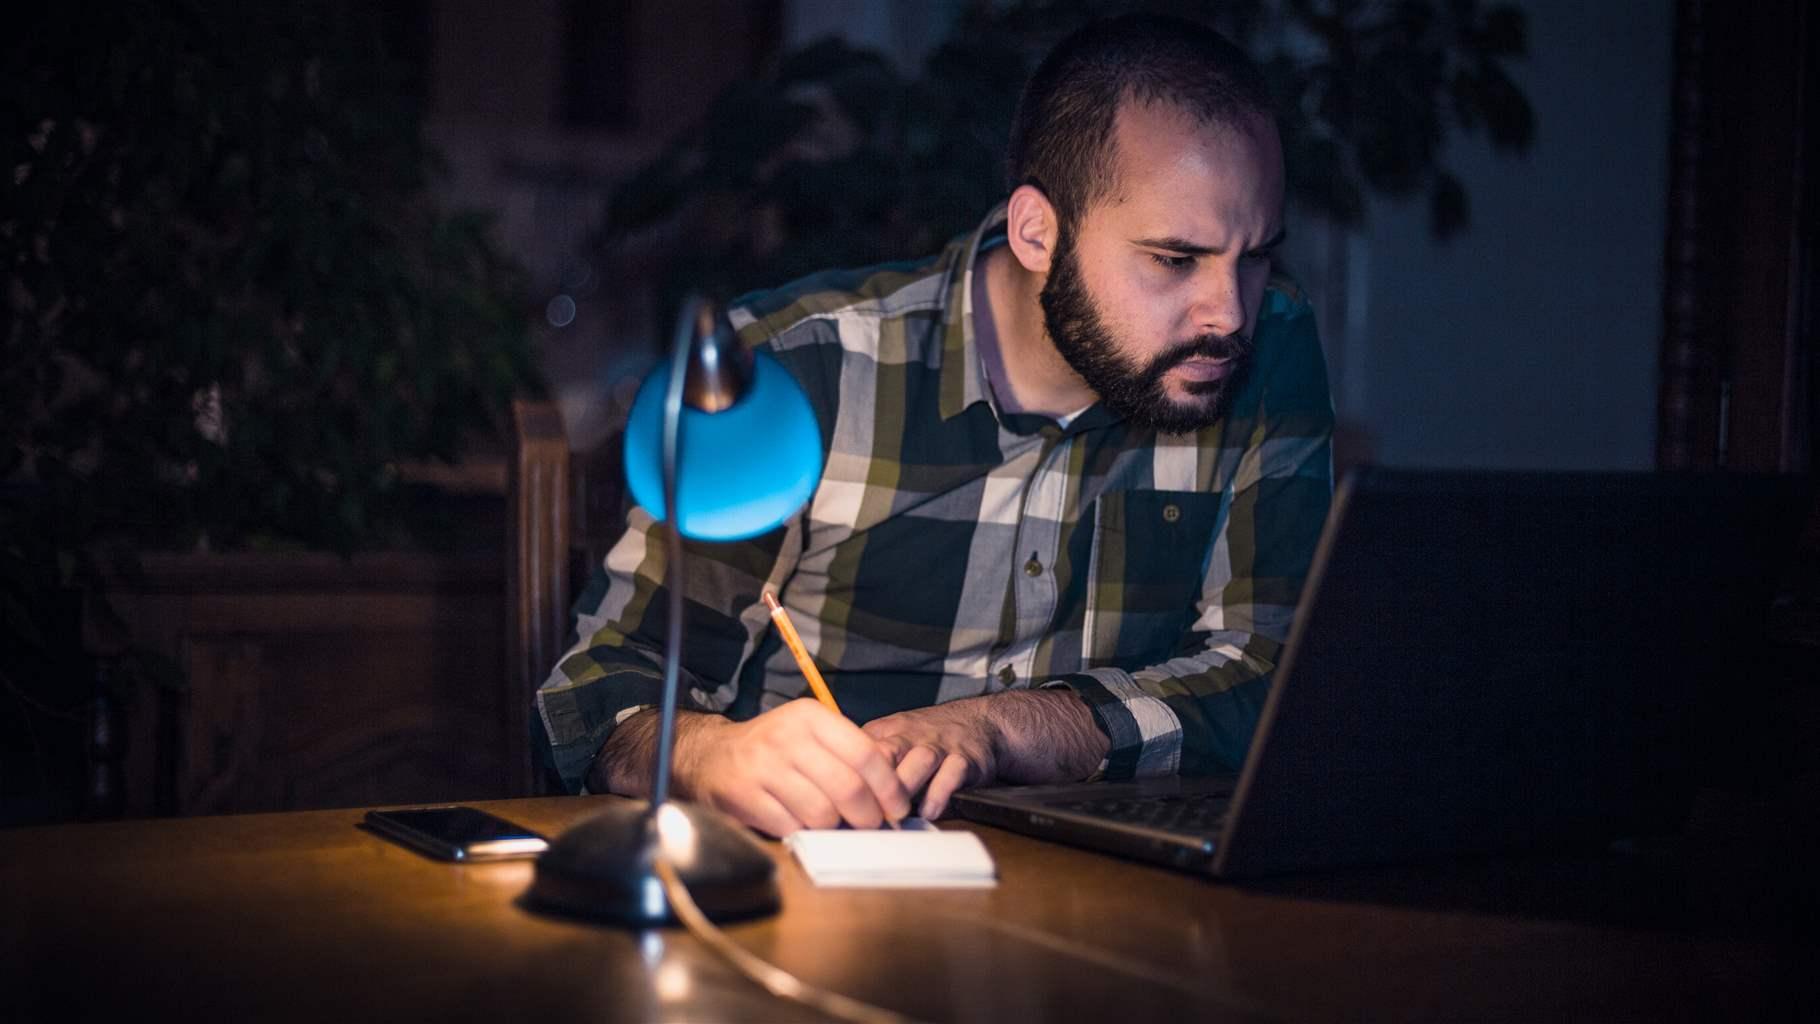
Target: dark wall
[[1532, 340]]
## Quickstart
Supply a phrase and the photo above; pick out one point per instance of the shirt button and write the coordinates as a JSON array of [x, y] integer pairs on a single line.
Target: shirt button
[[1033, 567], [1007, 675], [1171, 513]]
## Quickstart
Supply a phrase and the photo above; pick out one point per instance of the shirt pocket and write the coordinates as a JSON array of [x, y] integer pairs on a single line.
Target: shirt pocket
[[1150, 551]]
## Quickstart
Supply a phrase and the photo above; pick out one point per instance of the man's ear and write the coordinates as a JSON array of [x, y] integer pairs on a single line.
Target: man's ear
[[1032, 228]]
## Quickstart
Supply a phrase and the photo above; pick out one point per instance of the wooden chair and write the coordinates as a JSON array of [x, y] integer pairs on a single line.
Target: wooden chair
[[564, 510]]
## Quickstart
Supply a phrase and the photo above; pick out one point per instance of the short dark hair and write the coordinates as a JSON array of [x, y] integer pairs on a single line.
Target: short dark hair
[[1062, 138]]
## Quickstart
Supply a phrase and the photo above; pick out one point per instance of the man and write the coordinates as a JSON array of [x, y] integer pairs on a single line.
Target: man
[[1077, 464]]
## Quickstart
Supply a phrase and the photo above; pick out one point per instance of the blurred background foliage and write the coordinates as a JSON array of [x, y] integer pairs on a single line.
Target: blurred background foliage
[[232, 311], [835, 157], [233, 307]]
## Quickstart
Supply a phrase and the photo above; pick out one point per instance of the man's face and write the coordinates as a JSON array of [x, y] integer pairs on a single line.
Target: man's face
[[1152, 298]]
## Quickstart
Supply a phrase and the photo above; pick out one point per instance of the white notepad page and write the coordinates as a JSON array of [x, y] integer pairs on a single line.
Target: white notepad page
[[919, 856]]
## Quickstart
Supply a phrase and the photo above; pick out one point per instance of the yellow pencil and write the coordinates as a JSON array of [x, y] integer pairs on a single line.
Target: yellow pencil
[[787, 630]]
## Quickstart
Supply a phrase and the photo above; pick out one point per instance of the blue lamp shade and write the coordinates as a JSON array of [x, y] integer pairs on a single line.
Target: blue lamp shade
[[742, 471]]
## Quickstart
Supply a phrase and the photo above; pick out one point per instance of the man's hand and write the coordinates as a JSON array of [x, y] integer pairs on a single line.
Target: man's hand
[[946, 747], [795, 766], [1020, 736]]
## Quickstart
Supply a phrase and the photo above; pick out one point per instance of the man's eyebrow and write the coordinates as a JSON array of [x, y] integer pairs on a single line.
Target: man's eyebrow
[[1185, 247]]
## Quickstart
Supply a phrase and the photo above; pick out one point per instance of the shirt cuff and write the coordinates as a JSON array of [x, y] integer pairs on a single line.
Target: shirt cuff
[[1144, 731]]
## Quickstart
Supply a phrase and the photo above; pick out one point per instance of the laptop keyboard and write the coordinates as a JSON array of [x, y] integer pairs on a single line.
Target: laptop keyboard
[[1193, 812]]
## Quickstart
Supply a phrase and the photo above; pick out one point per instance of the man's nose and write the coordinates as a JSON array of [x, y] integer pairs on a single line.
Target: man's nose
[[1219, 305]]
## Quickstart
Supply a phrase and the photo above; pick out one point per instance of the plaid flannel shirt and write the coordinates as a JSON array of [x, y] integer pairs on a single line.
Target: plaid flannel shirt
[[953, 549]]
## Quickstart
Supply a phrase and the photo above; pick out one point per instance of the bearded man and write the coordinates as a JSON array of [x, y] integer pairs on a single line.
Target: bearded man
[[1076, 465]]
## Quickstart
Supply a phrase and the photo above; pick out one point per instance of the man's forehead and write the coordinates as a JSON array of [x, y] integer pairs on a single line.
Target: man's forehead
[[1148, 131], [1164, 156]]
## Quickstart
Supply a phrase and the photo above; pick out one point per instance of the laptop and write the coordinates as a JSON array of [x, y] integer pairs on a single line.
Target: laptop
[[1480, 661]]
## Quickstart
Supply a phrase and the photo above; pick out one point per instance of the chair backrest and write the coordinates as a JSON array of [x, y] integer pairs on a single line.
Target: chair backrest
[[538, 518], [564, 511]]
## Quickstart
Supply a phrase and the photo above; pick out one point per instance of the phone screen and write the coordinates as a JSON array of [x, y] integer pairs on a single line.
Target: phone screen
[[461, 825], [457, 833]]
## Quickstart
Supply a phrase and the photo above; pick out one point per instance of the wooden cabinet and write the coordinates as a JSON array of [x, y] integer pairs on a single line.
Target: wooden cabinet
[[321, 682]]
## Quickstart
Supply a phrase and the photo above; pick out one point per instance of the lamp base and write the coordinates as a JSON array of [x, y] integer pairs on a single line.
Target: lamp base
[[602, 870]]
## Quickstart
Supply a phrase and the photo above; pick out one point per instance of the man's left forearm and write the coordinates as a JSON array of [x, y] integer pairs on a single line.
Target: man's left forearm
[[1044, 736]]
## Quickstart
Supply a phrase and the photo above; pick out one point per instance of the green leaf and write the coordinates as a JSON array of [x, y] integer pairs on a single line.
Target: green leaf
[[1448, 207], [1509, 120]]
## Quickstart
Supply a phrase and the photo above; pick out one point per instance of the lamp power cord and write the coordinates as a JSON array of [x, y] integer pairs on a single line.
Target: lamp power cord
[[771, 978]]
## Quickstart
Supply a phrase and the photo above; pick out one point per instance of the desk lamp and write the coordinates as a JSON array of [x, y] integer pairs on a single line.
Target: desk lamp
[[721, 444]]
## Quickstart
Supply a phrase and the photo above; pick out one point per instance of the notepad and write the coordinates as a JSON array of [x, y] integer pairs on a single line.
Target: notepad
[[919, 856]]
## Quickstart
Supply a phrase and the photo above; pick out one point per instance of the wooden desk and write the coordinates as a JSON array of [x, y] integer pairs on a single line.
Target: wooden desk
[[303, 916]]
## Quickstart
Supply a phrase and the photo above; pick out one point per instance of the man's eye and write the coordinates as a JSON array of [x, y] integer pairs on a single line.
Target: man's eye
[[1172, 262]]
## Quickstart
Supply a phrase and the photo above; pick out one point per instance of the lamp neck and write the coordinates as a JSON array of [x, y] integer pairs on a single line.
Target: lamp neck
[[684, 344]]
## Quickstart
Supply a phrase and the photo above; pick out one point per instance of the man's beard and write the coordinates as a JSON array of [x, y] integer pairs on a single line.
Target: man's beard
[[1132, 391]]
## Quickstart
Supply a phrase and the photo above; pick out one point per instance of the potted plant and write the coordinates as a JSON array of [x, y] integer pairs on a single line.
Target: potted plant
[[233, 312]]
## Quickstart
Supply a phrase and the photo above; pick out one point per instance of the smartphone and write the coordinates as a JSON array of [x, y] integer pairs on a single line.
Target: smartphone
[[457, 833]]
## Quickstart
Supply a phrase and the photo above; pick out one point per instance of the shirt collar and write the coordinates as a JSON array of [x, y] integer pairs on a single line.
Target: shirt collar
[[963, 375], [963, 371]]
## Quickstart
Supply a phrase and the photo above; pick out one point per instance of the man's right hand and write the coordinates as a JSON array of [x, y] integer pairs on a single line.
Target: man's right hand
[[796, 766]]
